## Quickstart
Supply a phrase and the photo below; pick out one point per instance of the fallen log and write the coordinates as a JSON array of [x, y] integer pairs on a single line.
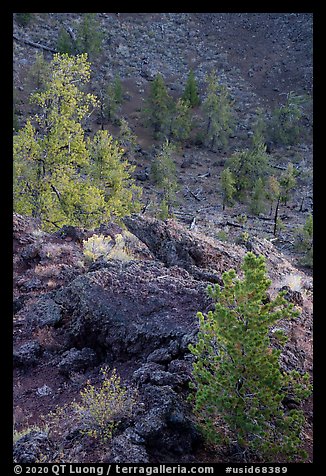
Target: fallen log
[[257, 217], [192, 193], [35, 45], [279, 167], [208, 174], [230, 223]]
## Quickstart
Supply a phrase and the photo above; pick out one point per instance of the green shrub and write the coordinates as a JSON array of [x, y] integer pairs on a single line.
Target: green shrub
[[104, 246], [242, 219], [243, 238], [96, 246], [101, 409], [222, 235], [237, 374]]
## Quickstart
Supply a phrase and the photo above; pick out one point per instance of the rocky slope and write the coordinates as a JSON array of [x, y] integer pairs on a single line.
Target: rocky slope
[[139, 315], [136, 315], [261, 53], [259, 57]]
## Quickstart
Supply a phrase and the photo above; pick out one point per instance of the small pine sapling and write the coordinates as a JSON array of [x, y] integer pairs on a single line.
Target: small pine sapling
[[218, 115], [228, 187], [258, 196], [163, 173], [304, 242], [89, 35], [159, 108], [181, 122], [287, 182], [190, 94], [238, 382]]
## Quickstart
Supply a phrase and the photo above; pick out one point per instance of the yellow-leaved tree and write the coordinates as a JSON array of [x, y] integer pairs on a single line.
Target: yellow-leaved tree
[[60, 176]]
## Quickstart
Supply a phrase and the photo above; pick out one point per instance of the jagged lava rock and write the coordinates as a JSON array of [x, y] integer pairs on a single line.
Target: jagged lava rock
[[131, 308]]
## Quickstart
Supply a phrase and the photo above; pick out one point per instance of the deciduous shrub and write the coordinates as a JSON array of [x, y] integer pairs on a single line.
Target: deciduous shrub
[[104, 246], [101, 409]]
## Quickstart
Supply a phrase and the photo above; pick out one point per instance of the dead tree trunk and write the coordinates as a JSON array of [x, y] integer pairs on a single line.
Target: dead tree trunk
[[276, 215]]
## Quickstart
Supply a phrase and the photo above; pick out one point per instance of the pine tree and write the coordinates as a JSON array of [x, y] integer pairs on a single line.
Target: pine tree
[[247, 166], [65, 44], [112, 97], [127, 138], [287, 182], [228, 187], [89, 35], [304, 242], [39, 72], [257, 204], [273, 190], [190, 93], [163, 173], [181, 122], [218, 113], [286, 120], [260, 129], [158, 110], [117, 90], [239, 384], [112, 175], [52, 161]]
